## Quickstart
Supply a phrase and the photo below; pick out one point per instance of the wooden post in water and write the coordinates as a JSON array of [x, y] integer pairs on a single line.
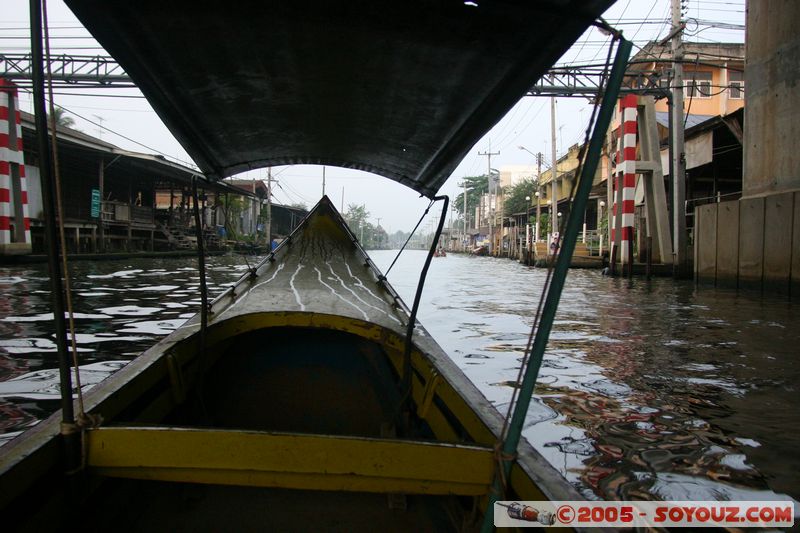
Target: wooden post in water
[[101, 171]]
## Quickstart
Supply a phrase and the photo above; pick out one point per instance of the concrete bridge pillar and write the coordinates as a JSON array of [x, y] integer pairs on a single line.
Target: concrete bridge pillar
[[772, 89], [769, 211]]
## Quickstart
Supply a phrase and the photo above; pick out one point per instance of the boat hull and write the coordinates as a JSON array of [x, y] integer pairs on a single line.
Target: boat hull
[[296, 385]]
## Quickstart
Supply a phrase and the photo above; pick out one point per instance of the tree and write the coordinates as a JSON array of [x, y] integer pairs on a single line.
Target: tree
[[233, 207], [380, 239], [62, 119], [356, 216], [476, 186], [397, 239], [515, 201]]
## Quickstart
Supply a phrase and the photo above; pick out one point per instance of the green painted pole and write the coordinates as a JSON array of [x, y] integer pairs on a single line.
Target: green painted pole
[[574, 222]]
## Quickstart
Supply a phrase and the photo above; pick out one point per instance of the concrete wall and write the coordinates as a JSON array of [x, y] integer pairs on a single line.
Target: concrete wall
[[752, 243], [705, 243], [778, 215], [727, 244], [772, 92], [755, 242]]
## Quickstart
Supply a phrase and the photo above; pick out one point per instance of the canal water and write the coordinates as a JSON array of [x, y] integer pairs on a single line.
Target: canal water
[[649, 389]]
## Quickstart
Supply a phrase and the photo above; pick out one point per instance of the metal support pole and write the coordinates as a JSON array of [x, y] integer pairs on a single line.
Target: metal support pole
[[201, 267], [678, 155], [51, 224], [559, 275], [554, 214], [71, 437], [406, 379], [269, 208]]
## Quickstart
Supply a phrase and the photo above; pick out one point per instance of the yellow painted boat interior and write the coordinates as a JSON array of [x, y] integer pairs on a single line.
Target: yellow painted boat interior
[[295, 415], [271, 413]]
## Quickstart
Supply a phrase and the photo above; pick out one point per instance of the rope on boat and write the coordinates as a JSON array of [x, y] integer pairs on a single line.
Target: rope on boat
[[409, 237], [83, 419], [551, 262], [407, 381], [508, 441]]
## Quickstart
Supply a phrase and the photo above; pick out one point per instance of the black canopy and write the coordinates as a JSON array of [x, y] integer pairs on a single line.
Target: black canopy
[[399, 88]]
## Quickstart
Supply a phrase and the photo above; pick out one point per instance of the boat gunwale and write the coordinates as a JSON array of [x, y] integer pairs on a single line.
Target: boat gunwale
[[37, 440], [231, 295]]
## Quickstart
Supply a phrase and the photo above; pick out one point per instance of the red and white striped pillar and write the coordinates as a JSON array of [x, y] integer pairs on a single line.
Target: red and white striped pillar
[[12, 174], [627, 171], [615, 242], [615, 185]]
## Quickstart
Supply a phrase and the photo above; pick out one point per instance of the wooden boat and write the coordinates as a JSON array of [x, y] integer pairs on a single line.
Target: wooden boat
[[480, 250], [290, 410]]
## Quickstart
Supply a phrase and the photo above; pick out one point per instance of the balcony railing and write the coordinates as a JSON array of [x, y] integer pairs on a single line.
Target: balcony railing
[[126, 213]]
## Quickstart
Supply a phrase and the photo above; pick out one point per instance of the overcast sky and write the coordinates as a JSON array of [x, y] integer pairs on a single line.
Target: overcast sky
[[124, 118]]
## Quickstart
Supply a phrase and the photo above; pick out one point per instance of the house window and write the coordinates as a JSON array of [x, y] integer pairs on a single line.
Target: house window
[[736, 84], [698, 84]]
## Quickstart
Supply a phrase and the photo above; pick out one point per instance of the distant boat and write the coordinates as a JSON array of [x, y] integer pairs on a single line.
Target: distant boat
[[480, 250]]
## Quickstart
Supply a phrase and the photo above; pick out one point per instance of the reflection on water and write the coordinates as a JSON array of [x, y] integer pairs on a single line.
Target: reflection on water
[[648, 389], [121, 309]]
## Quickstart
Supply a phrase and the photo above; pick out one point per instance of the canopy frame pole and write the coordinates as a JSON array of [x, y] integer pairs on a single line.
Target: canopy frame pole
[[68, 429], [406, 383], [201, 267], [564, 258]]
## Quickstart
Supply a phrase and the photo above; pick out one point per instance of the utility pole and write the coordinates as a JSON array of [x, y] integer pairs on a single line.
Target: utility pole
[[554, 204], [269, 209], [323, 181], [464, 238], [450, 240], [492, 192], [678, 155], [100, 126]]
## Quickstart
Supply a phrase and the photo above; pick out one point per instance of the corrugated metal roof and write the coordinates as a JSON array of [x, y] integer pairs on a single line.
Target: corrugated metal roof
[[662, 117]]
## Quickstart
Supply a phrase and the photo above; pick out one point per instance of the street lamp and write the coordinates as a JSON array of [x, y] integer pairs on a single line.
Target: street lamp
[[538, 214]]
